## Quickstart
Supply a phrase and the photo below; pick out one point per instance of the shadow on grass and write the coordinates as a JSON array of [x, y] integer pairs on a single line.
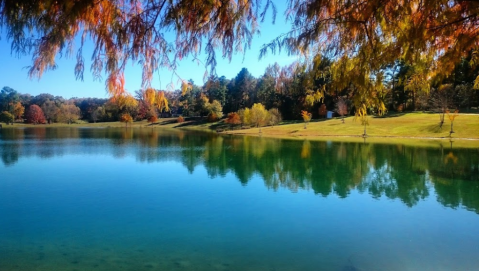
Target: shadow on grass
[[434, 128], [390, 115]]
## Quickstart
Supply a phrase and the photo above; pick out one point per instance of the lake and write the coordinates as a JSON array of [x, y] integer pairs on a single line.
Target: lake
[[151, 199]]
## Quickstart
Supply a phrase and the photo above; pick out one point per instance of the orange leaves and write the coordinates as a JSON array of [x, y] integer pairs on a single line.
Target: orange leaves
[[453, 115], [115, 84], [126, 118], [306, 115], [233, 118]]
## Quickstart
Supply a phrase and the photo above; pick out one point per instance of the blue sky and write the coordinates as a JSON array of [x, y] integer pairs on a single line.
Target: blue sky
[[62, 82]]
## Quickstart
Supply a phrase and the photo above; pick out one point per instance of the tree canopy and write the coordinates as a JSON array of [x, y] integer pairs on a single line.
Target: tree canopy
[[128, 30], [363, 39]]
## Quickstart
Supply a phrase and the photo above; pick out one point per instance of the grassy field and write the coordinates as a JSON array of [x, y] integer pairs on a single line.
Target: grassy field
[[414, 128], [411, 126]]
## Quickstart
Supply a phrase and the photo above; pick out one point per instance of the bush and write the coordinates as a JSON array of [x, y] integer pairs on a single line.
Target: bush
[[323, 111], [212, 117], [126, 118], [258, 115], [6, 117], [233, 119], [274, 116], [180, 119], [153, 119]]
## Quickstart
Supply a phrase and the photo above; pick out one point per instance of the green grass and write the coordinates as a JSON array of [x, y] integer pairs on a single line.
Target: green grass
[[392, 128]]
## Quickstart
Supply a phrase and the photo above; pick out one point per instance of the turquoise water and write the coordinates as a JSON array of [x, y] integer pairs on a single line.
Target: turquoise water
[[144, 199]]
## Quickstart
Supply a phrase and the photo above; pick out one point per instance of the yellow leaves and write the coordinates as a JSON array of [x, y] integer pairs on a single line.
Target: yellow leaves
[[476, 83], [453, 115], [306, 149], [309, 100], [418, 82], [150, 96], [185, 87], [258, 114], [18, 110], [162, 102], [361, 110], [381, 109], [450, 157], [125, 100], [313, 97], [245, 116], [306, 115], [474, 58]]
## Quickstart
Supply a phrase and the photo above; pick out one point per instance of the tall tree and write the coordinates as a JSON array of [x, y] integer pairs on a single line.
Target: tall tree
[[8, 98], [35, 115], [68, 113], [366, 36], [18, 110], [50, 109]]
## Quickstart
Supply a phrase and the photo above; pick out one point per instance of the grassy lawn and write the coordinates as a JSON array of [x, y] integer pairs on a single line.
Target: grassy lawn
[[389, 129], [400, 127]]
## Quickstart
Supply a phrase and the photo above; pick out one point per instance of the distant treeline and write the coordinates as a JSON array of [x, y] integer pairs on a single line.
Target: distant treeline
[[289, 89]]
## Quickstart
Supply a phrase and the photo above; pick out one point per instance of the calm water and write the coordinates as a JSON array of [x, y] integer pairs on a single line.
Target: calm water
[[117, 199]]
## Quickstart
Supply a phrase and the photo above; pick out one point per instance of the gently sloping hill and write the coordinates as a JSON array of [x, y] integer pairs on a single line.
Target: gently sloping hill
[[412, 125]]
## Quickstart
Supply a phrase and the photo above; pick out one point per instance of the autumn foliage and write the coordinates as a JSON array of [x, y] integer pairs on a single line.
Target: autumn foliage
[[153, 119], [323, 111], [341, 108], [126, 118], [180, 119], [306, 117], [6, 117], [233, 119], [212, 117], [35, 115]]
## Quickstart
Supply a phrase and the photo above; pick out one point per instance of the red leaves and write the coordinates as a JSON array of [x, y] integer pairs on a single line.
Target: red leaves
[[35, 115], [233, 118]]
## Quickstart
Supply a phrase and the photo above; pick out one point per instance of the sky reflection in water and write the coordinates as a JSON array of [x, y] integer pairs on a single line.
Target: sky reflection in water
[[116, 199]]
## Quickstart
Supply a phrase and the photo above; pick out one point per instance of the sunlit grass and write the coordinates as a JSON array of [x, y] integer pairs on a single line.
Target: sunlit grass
[[392, 128]]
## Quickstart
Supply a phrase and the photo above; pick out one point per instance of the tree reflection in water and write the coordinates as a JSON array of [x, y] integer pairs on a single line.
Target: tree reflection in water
[[407, 173]]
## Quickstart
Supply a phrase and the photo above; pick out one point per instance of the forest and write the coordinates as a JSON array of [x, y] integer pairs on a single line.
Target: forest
[[285, 91]]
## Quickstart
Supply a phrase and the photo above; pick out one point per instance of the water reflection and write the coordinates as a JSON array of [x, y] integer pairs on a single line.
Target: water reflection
[[409, 174]]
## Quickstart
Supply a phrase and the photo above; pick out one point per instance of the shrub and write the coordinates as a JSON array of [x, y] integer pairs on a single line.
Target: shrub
[[233, 119], [6, 117], [126, 118], [274, 116], [323, 111], [215, 108], [153, 119], [212, 117], [180, 119], [258, 115]]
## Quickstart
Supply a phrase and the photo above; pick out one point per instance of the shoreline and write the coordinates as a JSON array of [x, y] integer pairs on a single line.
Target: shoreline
[[411, 127]]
